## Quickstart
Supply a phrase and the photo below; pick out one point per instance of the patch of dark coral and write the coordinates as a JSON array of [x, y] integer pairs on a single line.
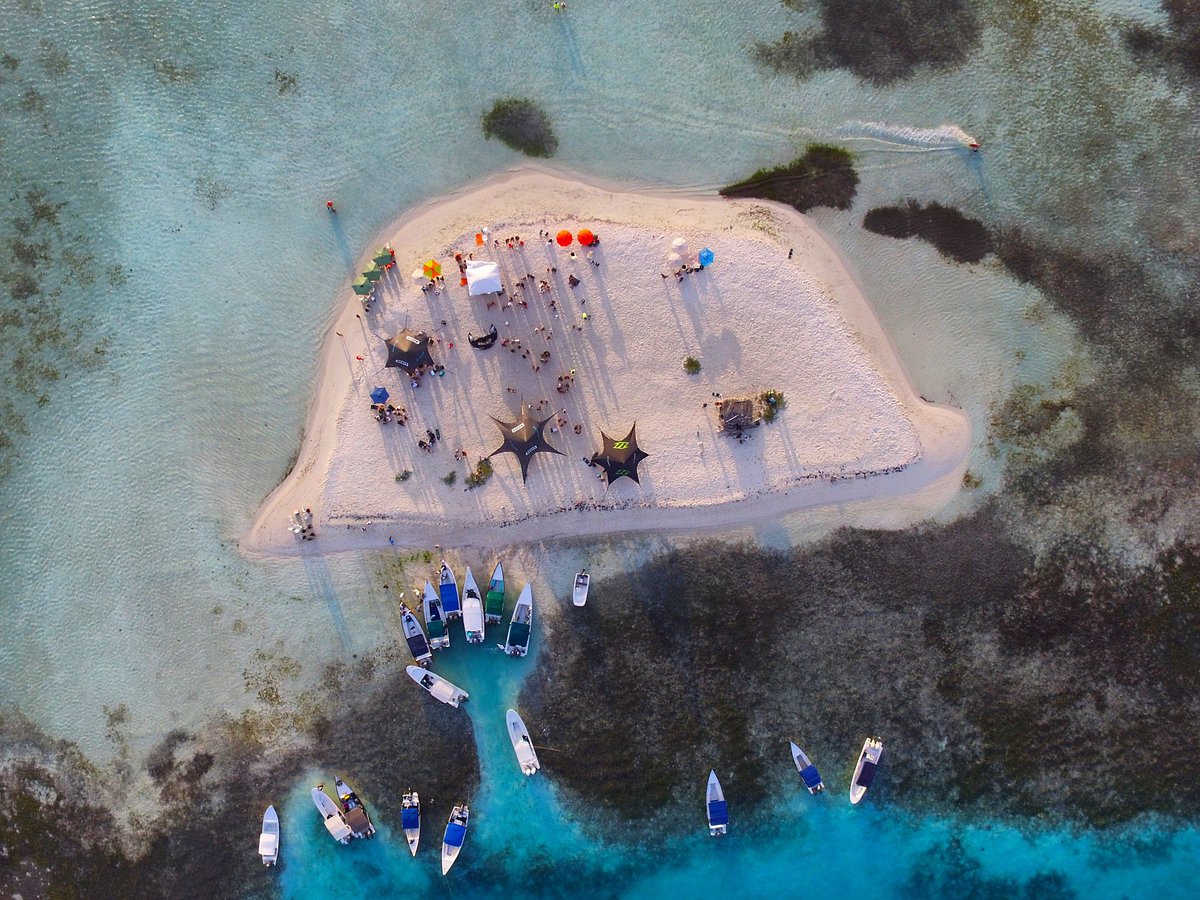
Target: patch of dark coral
[[955, 236], [823, 176], [997, 688], [522, 125], [947, 869], [62, 840], [880, 41], [1177, 46]]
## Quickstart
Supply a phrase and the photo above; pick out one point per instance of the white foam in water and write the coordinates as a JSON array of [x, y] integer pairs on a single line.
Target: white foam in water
[[944, 137]]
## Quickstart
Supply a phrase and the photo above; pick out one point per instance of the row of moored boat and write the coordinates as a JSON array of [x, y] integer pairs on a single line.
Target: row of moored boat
[[864, 774]]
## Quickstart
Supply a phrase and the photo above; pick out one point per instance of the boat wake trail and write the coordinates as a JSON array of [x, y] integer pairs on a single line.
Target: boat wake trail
[[903, 139]]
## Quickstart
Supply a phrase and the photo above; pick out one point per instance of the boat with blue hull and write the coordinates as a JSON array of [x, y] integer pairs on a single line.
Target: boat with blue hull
[[448, 589], [865, 771], [410, 819], [718, 810], [456, 833], [808, 771]]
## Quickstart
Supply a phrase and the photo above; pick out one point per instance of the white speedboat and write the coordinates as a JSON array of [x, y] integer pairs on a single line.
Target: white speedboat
[[519, 628], [335, 822], [812, 778], [456, 833], [718, 811], [494, 609], [472, 609], [864, 772], [582, 581], [439, 634], [448, 588], [522, 744], [418, 644], [438, 687], [353, 811], [268, 841], [410, 820]]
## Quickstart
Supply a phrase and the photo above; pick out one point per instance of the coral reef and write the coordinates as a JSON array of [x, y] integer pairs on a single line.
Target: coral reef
[[522, 125]]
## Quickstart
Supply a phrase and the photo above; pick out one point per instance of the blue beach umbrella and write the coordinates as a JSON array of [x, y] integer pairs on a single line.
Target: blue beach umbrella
[[706, 257], [379, 395]]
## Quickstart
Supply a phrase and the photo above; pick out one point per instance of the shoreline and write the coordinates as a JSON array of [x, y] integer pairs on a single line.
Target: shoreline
[[929, 476]]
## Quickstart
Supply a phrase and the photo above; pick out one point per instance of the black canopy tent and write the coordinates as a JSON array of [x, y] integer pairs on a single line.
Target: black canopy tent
[[409, 350], [487, 340], [620, 458], [524, 438]]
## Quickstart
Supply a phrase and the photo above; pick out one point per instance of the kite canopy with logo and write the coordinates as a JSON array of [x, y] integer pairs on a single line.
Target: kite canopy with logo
[[524, 439], [487, 340], [409, 350], [620, 458]]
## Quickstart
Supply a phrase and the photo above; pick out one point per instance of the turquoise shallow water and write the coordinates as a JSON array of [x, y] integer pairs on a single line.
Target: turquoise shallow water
[[193, 147]]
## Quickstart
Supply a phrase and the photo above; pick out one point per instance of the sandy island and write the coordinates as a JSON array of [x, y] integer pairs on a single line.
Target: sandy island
[[777, 310]]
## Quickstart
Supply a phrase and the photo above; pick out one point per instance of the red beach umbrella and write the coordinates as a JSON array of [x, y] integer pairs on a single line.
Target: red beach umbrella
[[585, 237], [564, 238]]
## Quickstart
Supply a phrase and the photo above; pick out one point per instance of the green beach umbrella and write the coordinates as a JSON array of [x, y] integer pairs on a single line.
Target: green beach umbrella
[[373, 274], [361, 285], [382, 256]]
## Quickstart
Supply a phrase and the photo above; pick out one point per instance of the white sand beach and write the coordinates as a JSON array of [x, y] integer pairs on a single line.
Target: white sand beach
[[777, 310]]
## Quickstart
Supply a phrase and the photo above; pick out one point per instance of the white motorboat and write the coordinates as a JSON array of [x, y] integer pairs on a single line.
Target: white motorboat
[[418, 644], [582, 581], [494, 610], [864, 772], [410, 820], [472, 609], [439, 634], [522, 743], [353, 811], [519, 628], [718, 811], [456, 833], [448, 588], [268, 841], [335, 822], [812, 778], [438, 687]]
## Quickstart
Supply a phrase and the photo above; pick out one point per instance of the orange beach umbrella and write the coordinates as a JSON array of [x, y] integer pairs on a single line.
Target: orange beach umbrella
[[564, 238], [432, 269], [585, 237]]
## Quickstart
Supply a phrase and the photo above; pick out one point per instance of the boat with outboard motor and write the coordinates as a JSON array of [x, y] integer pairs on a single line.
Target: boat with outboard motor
[[582, 581], [418, 644], [268, 841], [868, 765], [335, 822], [808, 772], [439, 634], [493, 611], [520, 626], [410, 819], [718, 810], [439, 688], [472, 608], [354, 811], [456, 833], [522, 744], [448, 588]]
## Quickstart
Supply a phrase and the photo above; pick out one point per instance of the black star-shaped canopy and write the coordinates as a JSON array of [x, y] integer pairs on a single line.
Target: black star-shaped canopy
[[524, 439], [409, 350], [620, 458]]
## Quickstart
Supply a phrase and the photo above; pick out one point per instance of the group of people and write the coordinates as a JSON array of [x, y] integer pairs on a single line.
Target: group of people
[[390, 413], [302, 525]]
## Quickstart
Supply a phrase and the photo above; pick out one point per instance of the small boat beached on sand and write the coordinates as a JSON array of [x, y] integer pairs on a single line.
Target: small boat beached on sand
[[456, 833], [410, 819], [448, 587], [718, 811], [438, 687], [335, 822], [353, 811], [472, 608], [415, 635], [864, 772], [582, 581], [517, 642], [812, 778], [439, 635], [522, 744], [494, 610], [268, 841]]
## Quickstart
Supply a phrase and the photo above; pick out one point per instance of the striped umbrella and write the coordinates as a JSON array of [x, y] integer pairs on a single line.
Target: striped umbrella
[[432, 269]]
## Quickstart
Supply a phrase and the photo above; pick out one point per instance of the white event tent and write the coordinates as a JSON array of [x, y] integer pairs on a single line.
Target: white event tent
[[482, 277]]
